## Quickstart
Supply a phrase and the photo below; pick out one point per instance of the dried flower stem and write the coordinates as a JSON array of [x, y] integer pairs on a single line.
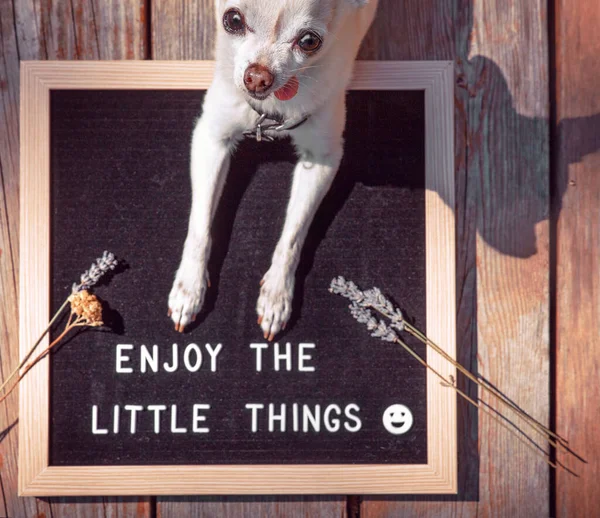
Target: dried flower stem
[[477, 404], [35, 345], [554, 439]]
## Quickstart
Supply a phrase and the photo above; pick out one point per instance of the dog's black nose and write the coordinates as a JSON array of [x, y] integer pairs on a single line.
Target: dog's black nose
[[258, 79]]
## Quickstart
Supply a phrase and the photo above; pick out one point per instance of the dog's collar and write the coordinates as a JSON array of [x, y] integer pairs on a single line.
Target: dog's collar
[[272, 122]]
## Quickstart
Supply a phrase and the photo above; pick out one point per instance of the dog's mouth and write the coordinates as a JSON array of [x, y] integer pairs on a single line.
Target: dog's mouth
[[287, 92]]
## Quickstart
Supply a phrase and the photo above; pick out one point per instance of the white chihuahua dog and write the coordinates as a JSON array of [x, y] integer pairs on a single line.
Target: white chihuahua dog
[[282, 69]]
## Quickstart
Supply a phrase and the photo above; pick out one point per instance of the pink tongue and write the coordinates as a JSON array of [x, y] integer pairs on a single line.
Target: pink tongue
[[288, 91]]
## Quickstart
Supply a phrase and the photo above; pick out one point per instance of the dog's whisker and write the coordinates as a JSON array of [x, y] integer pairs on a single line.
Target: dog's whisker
[[311, 88], [302, 69], [311, 78]]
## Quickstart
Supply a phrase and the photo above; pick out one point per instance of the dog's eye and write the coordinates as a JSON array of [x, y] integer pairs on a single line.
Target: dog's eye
[[310, 42], [233, 21]]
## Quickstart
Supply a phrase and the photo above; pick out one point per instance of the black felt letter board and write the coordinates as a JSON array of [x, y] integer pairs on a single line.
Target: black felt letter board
[[120, 182]]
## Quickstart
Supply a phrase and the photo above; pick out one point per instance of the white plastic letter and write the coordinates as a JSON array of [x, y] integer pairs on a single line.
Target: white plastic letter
[[255, 407], [332, 425], [175, 364], [116, 414], [259, 349], [287, 356], [157, 410], [295, 417], [358, 423], [121, 358], [302, 357], [200, 418], [174, 428], [133, 409], [276, 417], [213, 353], [186, 358], [315, 419], [149, 359], [95, 429]]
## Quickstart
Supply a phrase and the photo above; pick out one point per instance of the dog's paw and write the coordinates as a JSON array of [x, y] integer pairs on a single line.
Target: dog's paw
[[274, 305], [187, 296]]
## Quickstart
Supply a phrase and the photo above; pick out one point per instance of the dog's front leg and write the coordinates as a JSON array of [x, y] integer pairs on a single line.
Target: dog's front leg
[[209, 165], [313, 176]]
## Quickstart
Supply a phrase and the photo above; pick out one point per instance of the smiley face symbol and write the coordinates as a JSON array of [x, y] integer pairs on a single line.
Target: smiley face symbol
[[397, 419]]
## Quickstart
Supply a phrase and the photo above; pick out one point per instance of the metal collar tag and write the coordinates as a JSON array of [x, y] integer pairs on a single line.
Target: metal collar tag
[[259, 130]]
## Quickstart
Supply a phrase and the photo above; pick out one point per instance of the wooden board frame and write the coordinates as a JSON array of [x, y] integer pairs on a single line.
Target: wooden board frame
[[38, 478]]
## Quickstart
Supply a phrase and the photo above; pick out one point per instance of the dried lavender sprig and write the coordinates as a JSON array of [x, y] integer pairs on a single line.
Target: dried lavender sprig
[[374, 298], [90, 278], [348, 289], [379, 329]]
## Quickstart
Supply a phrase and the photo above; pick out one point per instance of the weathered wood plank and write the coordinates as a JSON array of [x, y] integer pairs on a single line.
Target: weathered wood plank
[[502, 212], [182, 29], [10, 505], [35, 29], [240, 507], [577, 207]]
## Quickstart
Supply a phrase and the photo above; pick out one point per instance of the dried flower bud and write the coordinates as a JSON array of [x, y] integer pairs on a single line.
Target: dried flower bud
[[87, 307]]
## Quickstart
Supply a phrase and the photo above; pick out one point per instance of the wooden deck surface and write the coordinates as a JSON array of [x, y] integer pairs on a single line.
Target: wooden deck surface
[[528, 212]]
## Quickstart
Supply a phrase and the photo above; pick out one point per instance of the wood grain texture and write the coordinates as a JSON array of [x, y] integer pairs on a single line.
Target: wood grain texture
[[577, 208], [502, 211], [182, 29], [263, 507], [34, 29]]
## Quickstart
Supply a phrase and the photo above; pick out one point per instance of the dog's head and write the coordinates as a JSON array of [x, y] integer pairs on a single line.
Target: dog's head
[[270, 46]]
